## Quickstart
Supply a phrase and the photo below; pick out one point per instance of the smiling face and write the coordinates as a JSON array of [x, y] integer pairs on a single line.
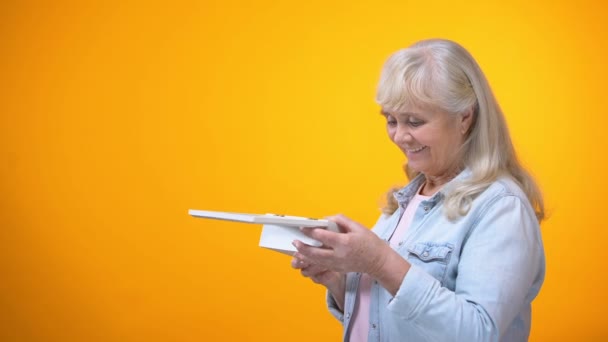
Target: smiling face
[[431, 139]]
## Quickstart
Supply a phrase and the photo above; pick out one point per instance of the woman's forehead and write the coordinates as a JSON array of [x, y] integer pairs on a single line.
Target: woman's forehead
[[407, 110]]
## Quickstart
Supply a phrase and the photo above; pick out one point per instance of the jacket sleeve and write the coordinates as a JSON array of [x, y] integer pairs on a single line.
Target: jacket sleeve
[[333, 307], [500, 271]]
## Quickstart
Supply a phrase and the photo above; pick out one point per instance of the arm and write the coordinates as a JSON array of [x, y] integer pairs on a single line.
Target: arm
[[499, 265]]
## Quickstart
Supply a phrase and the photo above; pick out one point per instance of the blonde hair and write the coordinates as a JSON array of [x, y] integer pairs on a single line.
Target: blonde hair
[[442, 74]]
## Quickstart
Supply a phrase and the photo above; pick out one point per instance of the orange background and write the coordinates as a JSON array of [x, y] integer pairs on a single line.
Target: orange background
[[117, 117]]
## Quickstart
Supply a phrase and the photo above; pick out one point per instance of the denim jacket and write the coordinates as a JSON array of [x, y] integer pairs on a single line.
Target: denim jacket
[[472, 279]]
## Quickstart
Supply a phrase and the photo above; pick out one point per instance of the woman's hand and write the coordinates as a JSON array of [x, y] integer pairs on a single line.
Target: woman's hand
[[334, 282], [355, 249]]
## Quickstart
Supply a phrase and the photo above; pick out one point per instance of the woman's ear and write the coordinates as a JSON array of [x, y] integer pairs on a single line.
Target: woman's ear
[[466, 120]]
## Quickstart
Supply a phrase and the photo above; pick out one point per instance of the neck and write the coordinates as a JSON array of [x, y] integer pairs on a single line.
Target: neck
[[435, 183]]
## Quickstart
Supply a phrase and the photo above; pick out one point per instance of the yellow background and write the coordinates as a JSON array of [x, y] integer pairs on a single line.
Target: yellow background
[[117, 117]]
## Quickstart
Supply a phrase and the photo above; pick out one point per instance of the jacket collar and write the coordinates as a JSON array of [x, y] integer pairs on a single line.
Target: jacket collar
[[404, 195]]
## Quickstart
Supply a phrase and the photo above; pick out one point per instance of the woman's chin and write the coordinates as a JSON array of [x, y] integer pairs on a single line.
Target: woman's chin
[[415, 167]]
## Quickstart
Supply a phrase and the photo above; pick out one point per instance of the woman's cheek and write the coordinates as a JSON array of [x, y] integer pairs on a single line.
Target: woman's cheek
[[391, 134]]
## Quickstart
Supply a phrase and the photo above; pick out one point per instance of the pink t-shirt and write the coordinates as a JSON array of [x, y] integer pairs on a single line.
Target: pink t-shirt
[[360, 320]]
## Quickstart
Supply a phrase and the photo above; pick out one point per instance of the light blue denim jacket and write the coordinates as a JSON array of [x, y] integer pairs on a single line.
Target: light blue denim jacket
[[472, 279]]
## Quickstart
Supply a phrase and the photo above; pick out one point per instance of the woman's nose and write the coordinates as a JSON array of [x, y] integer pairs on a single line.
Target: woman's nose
[[402, 134]]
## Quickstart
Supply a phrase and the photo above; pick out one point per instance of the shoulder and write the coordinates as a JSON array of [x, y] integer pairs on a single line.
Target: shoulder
[[503, 212], [504, 195], [503, 187]]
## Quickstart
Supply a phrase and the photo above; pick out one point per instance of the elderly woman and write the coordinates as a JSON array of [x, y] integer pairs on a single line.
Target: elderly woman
[[459, 257]]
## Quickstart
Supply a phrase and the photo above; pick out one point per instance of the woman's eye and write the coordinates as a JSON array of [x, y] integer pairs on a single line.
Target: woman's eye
[[390, 120], [415, 123]]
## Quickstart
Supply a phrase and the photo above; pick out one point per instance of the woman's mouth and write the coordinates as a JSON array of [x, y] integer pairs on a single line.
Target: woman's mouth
[[415, 150]]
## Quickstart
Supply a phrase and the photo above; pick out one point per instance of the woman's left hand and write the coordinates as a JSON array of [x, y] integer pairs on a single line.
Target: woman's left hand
[[356, 249]]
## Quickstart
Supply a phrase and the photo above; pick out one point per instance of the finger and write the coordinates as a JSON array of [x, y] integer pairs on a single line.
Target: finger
[[313, 270], [326, 237], [311, 254], [345, 224], [298, 263]]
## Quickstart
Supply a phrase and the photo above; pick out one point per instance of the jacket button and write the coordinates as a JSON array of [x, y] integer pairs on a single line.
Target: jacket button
[[373, 326], [425, 254], [426, 208]]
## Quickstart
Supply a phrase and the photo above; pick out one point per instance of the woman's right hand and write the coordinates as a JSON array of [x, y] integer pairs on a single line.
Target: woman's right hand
[[317, 273], [334, 281]]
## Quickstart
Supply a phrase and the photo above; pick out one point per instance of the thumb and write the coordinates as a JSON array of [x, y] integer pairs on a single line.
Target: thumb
[[345, 224]]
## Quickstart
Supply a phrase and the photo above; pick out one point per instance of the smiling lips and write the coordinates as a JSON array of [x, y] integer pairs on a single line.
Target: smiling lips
[[416, 150]]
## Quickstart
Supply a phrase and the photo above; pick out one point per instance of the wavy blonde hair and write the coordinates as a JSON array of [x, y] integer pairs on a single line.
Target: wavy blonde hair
[[441, 74]]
